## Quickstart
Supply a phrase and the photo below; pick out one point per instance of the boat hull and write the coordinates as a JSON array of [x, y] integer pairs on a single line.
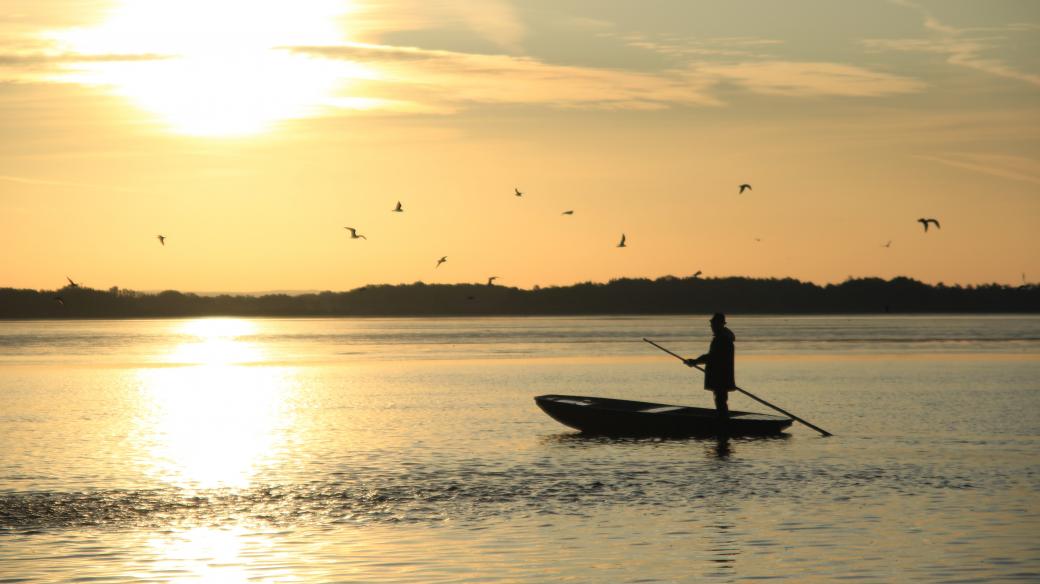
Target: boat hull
[[616, 417]]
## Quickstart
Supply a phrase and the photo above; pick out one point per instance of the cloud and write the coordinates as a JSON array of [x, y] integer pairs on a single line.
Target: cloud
[[380, 77], [369, 52], [676, 46], [56, 183], [33, 59], [806, 79], [409, 74], [959, 48], [1009, 167], [747, 62], [446, 77], [495, 21]]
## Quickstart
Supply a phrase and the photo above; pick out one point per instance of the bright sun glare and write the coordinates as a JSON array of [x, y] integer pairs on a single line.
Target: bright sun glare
[[217, 67], [214, 341], [212, 419]]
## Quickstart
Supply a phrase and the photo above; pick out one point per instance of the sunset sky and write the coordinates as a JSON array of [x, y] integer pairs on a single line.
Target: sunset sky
[[250, 132]]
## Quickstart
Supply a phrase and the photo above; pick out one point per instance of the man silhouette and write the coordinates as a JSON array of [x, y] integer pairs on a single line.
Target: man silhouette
[[718, 361]]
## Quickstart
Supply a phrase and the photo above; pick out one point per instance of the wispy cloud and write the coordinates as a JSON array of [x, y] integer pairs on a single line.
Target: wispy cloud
[[37, 59], [808, 79], [381, 77], [687, 47], [57, 183], [749, 63], [452, 79], [1003, 166], [962, 47], [495, 21]]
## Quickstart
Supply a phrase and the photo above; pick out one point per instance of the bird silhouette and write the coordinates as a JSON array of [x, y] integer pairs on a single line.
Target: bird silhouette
[[744, 187], [71, 283], [441, 261], [354, 234], [758, 239], [567, 213], [162, 239], [398, 208], [697, 273], [517, 192], [925, 222], [59, 300], [622, 244], [491, 280], [889, 244]]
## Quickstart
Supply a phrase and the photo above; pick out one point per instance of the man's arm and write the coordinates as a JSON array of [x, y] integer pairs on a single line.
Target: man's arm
[[698, 361]]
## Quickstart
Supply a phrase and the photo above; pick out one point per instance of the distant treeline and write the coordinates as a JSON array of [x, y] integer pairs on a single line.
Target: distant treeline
[[667, 295]]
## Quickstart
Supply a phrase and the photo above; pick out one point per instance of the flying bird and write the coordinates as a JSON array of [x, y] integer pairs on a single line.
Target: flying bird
[[398, 208], [59, 300], [567, 213], [744, 187], [354, 234], [889, 244], [697, 274], [925, 222], [491, 280], [622, 244], [517, 192], [441, 261], [758, 239], [162, 239], [71, 283]]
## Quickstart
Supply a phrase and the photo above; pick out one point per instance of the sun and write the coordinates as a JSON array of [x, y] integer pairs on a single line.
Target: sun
[[217, 67]]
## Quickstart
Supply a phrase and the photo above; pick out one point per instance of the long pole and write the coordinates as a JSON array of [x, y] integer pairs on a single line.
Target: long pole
[[751, 395]]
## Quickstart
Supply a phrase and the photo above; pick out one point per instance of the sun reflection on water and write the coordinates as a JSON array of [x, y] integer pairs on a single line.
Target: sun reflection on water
[[215, 341], [203, 555], [216, 421]]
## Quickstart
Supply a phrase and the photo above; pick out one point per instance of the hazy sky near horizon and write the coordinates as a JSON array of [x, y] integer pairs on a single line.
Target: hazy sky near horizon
[[250, 132]]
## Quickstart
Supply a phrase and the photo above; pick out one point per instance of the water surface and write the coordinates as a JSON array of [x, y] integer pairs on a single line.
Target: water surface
[[410, 450]]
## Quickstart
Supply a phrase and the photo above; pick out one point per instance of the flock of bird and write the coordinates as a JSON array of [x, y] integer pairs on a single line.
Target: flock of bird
[[925, 222], [516, 192]]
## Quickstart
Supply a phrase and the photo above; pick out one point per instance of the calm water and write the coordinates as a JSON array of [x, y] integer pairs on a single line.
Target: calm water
[[410, 450]]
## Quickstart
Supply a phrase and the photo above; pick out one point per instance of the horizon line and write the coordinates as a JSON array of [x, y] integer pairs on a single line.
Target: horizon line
[[532, 288]]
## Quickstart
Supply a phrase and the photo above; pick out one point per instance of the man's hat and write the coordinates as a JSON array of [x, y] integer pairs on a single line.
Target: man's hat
[[719, 318]]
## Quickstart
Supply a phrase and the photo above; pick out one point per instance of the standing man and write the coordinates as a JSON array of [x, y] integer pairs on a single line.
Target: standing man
[[718, 361]]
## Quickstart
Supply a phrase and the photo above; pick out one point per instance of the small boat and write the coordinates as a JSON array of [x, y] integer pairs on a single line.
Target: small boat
[[619, 417]]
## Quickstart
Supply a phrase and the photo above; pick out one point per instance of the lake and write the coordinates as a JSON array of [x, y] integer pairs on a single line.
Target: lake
[[411, 450]]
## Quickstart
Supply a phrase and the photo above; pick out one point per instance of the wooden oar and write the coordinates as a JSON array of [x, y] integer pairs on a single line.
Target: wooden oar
[[750, 395]]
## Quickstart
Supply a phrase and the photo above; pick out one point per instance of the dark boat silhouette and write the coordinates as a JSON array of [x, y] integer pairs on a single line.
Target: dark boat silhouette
[[619, 417]]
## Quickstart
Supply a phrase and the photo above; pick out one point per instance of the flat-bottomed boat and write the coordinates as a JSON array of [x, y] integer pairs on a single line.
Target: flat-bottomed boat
[[619, 417]]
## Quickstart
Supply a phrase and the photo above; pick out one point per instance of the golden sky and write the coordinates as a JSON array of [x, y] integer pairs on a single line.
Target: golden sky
[[250, 132]]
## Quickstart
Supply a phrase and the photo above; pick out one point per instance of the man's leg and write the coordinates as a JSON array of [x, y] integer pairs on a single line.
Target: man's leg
[[721, 403]]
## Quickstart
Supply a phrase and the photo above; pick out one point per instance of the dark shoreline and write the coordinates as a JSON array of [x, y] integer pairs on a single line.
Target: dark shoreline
[[471, 315], [621, 297]]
